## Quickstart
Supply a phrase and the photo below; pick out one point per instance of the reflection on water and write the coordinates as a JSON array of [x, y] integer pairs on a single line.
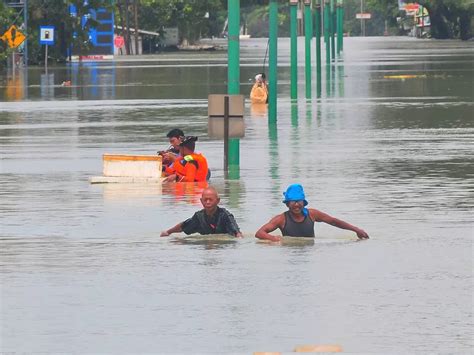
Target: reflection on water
[[392, 156], [258, 110], [189, 193]]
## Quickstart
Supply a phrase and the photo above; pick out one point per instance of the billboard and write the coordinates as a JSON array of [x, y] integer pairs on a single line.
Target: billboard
[[101, 37]]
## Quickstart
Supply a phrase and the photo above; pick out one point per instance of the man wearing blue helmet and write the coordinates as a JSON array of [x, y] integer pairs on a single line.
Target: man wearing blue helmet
[[298, 221]]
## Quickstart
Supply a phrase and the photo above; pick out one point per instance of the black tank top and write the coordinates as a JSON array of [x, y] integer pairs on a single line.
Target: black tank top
[[298, 229]]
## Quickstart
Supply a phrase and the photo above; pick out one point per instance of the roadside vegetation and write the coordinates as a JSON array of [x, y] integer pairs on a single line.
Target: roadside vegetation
[[450, 19]]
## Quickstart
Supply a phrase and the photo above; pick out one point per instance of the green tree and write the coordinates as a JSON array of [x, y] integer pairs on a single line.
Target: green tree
[[257, 20], [450, 18], [194, 19], [70, 32], [7, 16]]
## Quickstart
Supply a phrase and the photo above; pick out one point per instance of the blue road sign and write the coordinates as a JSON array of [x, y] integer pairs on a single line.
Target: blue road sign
[[47, 35]]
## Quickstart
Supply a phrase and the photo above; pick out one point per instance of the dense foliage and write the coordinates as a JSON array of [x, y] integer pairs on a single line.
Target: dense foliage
[[7, 17], [450, 18], [206, 18]]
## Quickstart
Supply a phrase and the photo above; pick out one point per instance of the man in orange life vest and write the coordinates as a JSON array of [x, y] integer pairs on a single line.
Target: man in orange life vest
[[189, 166], [298, 221]]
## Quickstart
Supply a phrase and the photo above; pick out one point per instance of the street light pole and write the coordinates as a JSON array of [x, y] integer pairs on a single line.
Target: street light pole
[[25, 20]]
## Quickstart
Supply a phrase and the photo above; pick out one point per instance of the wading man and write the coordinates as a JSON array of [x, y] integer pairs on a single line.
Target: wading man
[[212, 219], [299, 221]]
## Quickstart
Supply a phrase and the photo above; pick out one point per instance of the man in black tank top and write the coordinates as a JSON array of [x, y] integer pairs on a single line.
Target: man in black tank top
[[298, 221]]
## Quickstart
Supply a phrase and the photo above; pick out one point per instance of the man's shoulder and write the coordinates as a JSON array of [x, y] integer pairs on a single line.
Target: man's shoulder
[[222, 210], [314, 214], [198, 214], [279, 218]]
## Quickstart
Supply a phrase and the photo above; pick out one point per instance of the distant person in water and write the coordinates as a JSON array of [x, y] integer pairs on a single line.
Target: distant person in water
[[189, 166], [299, 221], [175, 137], [212, 219], [259, 91]]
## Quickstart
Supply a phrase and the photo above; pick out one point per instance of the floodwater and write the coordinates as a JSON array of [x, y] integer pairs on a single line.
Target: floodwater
[[83, 269]]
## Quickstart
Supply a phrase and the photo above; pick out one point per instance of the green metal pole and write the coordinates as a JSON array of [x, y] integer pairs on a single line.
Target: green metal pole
[[274, 160], [328, 79], [308, 34], [339, 25], [233, 77], [272, 61], [340, 74], [294, 114], [333, 30], [294, 50], [326, 31], [342, 27], [318, 48]]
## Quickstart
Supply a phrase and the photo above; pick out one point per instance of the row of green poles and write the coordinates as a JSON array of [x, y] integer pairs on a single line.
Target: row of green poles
[[233, 78], [330, 22], [272, 61], [233, 86]]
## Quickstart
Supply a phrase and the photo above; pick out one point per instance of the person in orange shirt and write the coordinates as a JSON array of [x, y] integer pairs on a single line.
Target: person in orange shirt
[[190, 166], [259, 92]]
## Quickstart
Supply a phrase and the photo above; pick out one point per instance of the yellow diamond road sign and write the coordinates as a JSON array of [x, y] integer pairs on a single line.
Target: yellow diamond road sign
[[13, 37]]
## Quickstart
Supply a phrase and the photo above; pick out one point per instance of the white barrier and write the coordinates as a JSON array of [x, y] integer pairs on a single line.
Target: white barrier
[[122, 168]]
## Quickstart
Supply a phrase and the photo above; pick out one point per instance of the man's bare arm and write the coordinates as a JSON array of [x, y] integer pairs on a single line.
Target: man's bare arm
[[266, 229], [333, 221], [176, 229]]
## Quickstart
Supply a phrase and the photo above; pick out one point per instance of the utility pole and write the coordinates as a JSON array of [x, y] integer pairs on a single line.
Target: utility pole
[[25, 21], [127, 23], [136, 25], [362, 21]]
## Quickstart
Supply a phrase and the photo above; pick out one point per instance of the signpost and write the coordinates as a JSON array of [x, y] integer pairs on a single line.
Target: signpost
[[364, 16], [226, 120], [13, 37], [361, 15], [46, 38]]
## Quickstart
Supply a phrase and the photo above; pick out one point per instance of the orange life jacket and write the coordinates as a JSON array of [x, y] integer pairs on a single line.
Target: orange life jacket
[[192, 167]]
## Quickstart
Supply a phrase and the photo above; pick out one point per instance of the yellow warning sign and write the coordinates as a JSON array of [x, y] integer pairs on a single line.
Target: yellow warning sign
[[13, 37]]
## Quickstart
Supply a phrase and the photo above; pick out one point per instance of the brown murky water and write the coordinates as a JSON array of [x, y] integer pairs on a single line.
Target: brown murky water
[[82, 268]]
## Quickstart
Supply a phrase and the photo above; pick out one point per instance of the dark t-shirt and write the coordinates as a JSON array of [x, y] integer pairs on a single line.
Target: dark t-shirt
[[222, 222]]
